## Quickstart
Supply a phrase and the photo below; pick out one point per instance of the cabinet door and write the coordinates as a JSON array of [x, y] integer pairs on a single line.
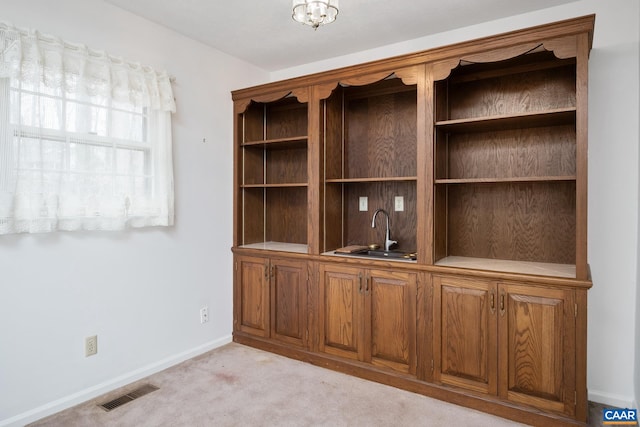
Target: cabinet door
[[289, 301], [340, 300], [537, 347], [252, 296], [465, 334], [390, 327]]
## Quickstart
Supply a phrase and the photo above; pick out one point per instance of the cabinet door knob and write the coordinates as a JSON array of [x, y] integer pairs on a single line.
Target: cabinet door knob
[[359, 283], [502, 305]]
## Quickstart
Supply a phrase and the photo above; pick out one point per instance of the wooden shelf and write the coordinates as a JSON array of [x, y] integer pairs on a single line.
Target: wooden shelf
[[279, 246], [283, 185], [379, 179], [560, 116], [277, 142], [509, 266], [506, 180]]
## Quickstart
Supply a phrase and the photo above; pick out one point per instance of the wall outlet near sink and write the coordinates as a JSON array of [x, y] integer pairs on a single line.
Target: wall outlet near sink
[[399, 203], [363, 204]]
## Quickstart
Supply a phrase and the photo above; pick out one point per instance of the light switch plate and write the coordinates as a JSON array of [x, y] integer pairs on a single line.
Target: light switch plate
[[399, 203], [364, 204]]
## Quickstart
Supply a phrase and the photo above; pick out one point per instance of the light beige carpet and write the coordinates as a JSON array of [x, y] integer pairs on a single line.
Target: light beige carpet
[[236, 385]]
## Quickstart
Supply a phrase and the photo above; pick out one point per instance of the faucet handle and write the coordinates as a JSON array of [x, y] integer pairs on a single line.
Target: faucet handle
[[390, 243]]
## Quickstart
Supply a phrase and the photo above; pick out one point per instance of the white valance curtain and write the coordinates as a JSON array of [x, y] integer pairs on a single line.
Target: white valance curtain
[[85, 138]]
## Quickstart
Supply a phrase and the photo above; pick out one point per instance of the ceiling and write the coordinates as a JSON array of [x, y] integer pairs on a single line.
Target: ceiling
[[262, 32]]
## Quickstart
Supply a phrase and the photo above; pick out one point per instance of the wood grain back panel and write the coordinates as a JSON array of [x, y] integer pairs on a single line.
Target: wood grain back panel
[[286, 165], [286, 119], [286, 215], [509, 87], [380, 135], [358, 229], [529, 152], [513, 221], [252, 201]]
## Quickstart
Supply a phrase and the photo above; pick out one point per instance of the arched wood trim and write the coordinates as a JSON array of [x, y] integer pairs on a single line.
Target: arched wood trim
[[302, 94], [501, 54], [442, 69], [409, 76], [562, 48], [240, 106], [270, 97], [324, 91], [365, 79]]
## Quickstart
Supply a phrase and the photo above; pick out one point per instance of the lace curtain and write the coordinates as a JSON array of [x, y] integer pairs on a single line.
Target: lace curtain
[[85, 138]]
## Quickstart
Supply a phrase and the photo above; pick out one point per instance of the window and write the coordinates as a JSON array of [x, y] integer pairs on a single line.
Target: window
[[85, 139]]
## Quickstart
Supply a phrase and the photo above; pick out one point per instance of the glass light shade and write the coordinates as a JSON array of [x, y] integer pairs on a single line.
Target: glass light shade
[[315, 12]]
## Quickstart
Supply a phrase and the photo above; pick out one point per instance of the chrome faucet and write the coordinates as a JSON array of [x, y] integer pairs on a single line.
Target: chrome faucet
[[387, 238]]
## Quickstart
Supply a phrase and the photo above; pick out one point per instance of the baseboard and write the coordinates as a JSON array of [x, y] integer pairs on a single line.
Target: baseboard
[[613, 400], [100, 389]]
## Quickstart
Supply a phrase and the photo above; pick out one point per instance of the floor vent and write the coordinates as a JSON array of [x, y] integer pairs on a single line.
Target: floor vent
[[126, 398]]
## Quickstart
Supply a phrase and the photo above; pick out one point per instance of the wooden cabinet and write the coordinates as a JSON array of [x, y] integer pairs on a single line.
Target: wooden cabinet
[[512, 340], [485, 143], [465, 347], [271, 298], [251, 296], [368, 315], [536, 334]]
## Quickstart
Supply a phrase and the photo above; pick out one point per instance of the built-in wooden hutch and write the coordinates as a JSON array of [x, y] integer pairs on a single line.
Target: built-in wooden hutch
[[478, 153]]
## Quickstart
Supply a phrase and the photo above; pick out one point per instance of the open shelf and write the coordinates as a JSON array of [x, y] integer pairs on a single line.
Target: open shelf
[[505, 180], [299, 184], [560, 116], [281, 143], [273, 177], [380, 179], [520, 221], [505, 169]]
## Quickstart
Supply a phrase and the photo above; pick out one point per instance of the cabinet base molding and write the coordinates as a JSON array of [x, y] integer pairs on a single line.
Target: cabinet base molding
[[493, 406]]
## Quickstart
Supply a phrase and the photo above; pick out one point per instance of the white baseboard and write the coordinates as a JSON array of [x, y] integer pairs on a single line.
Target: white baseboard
[[105, 387], [613, 400]]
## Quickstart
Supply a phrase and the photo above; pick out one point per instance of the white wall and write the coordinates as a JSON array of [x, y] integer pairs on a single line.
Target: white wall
[[613, 178], [140, 291]]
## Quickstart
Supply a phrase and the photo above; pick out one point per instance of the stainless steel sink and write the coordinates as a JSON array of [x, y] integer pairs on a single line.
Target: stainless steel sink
[[379, 253]]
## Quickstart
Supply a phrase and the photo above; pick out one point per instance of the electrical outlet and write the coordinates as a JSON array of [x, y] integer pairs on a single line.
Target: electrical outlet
[[90, 346], [204, 314], [364, 204], [399, 203]]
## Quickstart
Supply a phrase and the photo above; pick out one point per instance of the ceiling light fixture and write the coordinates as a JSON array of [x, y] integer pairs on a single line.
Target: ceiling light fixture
[[315, 12]]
